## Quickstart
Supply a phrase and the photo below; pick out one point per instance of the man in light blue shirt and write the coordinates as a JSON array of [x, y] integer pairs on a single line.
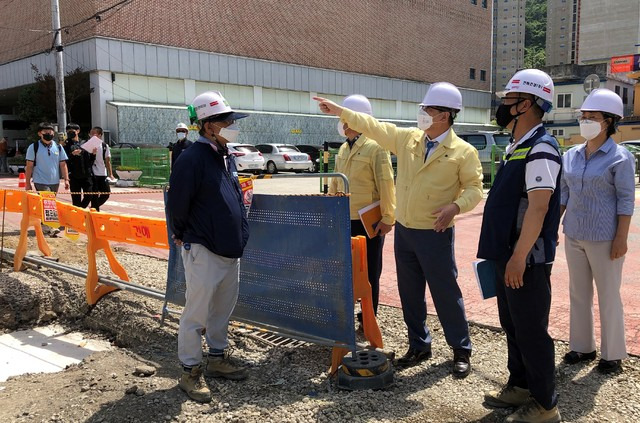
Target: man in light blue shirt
[[46, 162]]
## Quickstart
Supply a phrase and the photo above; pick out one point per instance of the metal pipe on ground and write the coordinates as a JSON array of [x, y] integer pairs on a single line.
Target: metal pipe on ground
[[106, 280]]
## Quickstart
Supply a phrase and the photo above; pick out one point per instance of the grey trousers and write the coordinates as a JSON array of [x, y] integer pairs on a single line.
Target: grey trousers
[[212, 292]]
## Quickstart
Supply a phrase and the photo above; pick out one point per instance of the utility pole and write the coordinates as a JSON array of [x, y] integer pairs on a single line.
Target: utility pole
[[61, 107]]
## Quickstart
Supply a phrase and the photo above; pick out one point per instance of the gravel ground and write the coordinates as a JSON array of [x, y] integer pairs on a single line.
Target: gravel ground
[[285, 384]]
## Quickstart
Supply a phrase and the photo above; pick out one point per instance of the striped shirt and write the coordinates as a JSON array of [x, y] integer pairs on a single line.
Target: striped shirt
[[596, 191], [543, 163]]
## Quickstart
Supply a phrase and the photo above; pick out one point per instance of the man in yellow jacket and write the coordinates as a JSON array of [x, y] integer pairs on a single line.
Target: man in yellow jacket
[[439, 176], [368, 167]]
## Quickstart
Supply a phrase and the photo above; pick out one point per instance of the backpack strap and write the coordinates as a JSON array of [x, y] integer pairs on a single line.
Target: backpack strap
[[36, 145]]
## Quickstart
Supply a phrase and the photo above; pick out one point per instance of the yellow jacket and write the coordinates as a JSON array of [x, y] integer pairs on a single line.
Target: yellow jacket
[[451, 174], [368, 168]]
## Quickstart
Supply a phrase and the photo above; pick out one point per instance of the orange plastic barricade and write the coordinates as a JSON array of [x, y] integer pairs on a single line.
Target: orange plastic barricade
[[94, 290], [11, 200], [31, 214], [105, 227], [71, 216], [146, 231], [362, 291]]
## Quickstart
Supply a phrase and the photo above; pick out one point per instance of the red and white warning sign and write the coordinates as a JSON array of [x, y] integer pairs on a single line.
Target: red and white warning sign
[[49, 209], [247, 190]]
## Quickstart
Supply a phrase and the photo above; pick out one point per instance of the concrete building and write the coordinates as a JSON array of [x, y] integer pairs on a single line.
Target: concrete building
[[608, 29], [562, 120], [147, 59], [508, 40], [563, 23], [590, 31]]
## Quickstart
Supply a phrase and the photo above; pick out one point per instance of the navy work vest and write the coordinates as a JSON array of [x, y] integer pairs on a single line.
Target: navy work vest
[[507, 202]]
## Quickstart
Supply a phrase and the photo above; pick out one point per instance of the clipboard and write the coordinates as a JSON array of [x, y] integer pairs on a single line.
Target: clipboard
[[485, 271], [370, 216]]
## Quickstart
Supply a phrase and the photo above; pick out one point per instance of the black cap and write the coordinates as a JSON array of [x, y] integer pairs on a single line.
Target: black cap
[[45, 125]]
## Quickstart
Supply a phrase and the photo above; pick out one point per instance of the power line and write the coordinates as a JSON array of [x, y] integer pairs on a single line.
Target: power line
[[48, 31], [96, 16], [27, 44]]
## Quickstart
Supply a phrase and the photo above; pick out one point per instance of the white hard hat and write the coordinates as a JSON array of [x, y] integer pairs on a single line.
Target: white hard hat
[[358, 103], [182, 126], [213, 104], [534, 82], [443, 94], [603, 100]]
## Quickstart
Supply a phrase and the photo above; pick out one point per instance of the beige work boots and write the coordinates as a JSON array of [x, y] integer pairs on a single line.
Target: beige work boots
[[223, 366], [193, 383], [508, 396], [532, 412]]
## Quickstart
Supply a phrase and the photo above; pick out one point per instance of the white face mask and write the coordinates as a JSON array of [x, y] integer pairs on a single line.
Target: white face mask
[[182, 135], [230, 133], [589, 129], [425, 120], [341, 130]]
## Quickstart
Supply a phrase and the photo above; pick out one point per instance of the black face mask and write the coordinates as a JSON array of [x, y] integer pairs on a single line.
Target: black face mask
[[503, 114], [47, 137], [71, 135]]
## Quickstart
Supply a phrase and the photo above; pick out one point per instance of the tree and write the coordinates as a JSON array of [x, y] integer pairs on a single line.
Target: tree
[[535, 38], [37, 102]]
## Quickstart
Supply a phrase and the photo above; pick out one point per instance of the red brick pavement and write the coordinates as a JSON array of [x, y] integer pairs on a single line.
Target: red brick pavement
[[486, 312], [467, 232]]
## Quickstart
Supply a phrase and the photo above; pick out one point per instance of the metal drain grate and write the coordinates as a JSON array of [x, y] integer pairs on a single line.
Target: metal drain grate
[[269, 338], [276, 340]]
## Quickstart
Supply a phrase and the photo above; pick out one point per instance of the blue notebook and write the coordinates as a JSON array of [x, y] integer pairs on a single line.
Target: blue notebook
[[485, 271]]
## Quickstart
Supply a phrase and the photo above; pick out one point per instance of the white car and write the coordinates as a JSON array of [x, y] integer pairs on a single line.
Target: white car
[[284, 157], [248, 158]]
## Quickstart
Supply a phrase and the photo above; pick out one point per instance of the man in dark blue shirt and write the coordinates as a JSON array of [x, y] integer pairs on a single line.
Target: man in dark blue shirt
[[182, 131], [208, 219]]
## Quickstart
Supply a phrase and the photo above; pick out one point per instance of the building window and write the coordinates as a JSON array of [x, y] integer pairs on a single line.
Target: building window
[[484, 4], [557, 132], [625, 92], [564, 101], [472, 73], [617, 89], [474, 1], [483, 77]]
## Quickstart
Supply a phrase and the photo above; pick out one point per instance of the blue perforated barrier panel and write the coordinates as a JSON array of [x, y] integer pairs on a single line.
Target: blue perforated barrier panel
[[295, 274]]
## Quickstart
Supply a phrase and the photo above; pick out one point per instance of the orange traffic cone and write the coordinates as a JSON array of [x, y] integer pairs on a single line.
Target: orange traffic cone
[[22, 181]]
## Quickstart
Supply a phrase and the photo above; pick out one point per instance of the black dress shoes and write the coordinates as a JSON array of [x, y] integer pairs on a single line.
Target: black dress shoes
[[574, 357], [461, 363], [413, 357], [609, 366]]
